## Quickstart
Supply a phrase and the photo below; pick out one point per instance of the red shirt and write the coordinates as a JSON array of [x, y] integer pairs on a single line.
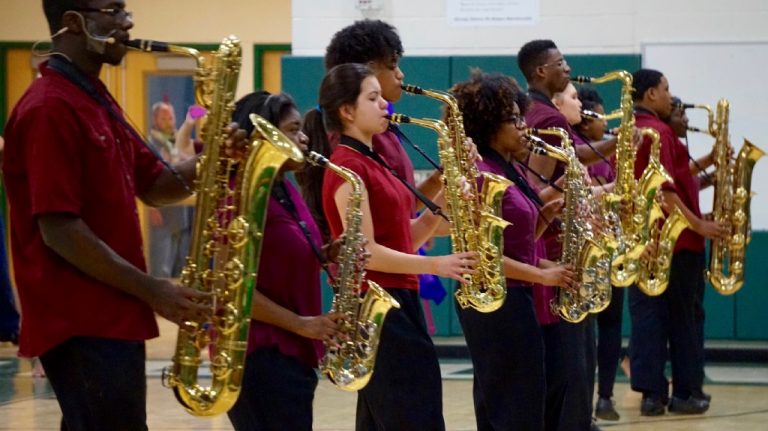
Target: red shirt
[[391, 205], [289, 276], [65, 154], [674, 158]]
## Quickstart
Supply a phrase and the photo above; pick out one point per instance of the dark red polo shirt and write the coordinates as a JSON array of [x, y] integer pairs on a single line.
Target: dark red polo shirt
[[391, 206], [65, 154], [289, 275], [674, 158]]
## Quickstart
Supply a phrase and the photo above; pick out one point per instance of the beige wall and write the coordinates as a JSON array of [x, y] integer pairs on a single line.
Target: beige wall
[[191, 21]]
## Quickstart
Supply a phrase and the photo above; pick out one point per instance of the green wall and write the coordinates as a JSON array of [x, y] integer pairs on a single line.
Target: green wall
[[735, 317]]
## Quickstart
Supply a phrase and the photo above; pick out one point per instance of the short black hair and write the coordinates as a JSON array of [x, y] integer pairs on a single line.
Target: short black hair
[[643, 80], [532, 55], [590, 98], [54, 11], [362, 42], [272, 107], [486, 102]]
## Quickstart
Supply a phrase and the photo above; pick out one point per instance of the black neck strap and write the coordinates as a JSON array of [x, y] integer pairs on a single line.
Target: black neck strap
[[368, 152], [280, 192], [404, 138], [82, 81]]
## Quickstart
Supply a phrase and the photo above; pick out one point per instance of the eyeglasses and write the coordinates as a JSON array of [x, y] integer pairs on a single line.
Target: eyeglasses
[[517, 121], [559, 63], [118, 13]]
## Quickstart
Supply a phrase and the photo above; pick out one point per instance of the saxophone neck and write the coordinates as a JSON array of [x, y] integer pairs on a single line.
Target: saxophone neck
[[437, 125], [541, 147], [317, 159]]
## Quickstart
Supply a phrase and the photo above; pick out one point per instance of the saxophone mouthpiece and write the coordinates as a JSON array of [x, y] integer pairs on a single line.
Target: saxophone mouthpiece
[[697, 130], [147, 45], [581, 79], [399, 118], [414, 89], [317, 159], [586, 113]]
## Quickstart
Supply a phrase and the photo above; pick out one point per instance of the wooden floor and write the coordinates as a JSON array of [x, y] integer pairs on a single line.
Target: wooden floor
[[740, 399]]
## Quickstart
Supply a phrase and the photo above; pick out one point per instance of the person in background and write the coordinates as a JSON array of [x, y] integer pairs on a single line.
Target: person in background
[[670, 319], [9, 315], [609, 320], [170, 226]]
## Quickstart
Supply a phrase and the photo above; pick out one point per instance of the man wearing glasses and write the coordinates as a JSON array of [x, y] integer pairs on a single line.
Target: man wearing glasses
[[73, 169]]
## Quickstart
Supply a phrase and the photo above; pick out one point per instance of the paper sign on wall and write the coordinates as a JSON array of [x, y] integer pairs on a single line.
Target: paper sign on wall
[[492, 13]]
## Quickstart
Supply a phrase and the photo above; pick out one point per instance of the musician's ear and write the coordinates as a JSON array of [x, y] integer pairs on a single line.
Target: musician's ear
[[347, 112]]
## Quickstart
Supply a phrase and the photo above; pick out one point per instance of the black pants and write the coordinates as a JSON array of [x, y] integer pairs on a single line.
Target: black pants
[[276, 394], [609, 342], [569, 351], [100, 383], [9, 317], [405, 391], [508, 359], [675, 319]]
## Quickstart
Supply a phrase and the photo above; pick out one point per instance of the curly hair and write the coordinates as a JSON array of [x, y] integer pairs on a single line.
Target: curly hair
[[362, 42], [487, 101]]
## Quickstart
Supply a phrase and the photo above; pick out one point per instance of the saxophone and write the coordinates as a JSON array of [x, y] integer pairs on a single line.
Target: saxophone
[[581, 248], [731, 206], [631, 203], [349, 360], [226, 237], [475, 225]]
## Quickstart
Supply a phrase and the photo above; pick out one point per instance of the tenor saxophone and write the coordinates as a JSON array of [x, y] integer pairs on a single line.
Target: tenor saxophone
[[476, 222], [230, 210], [472, 229], [732, 201], [628, 207], [350, 358], [582, 247]]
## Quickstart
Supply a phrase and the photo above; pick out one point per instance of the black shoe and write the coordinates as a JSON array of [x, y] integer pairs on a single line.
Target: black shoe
[[12, 336], [594, 426], [604, 410], [652, 407], [699, 394], [690, 406]]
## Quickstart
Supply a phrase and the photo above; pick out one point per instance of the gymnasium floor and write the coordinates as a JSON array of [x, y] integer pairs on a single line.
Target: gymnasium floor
[[739, 391]]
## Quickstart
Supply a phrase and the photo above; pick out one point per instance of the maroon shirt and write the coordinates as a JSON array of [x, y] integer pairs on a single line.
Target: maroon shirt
[[289, 276], [516, 208], [543, 114], [391, 205], [64, 153], [674, 158]]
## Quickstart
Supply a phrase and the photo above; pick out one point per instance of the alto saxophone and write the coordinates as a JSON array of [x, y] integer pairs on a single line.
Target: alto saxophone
[[581, 247], [731, 206], [476, 223], [627, 207], [226, 238], [349, 359]]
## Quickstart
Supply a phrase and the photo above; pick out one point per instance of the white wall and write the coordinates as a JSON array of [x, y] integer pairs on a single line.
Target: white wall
[[600, 27], [577, 26]]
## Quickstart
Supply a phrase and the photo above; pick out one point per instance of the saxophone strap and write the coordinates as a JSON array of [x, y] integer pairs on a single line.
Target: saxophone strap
[[280, 192], [513, 175], [366, 151], [73, 74], [394, 128]]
